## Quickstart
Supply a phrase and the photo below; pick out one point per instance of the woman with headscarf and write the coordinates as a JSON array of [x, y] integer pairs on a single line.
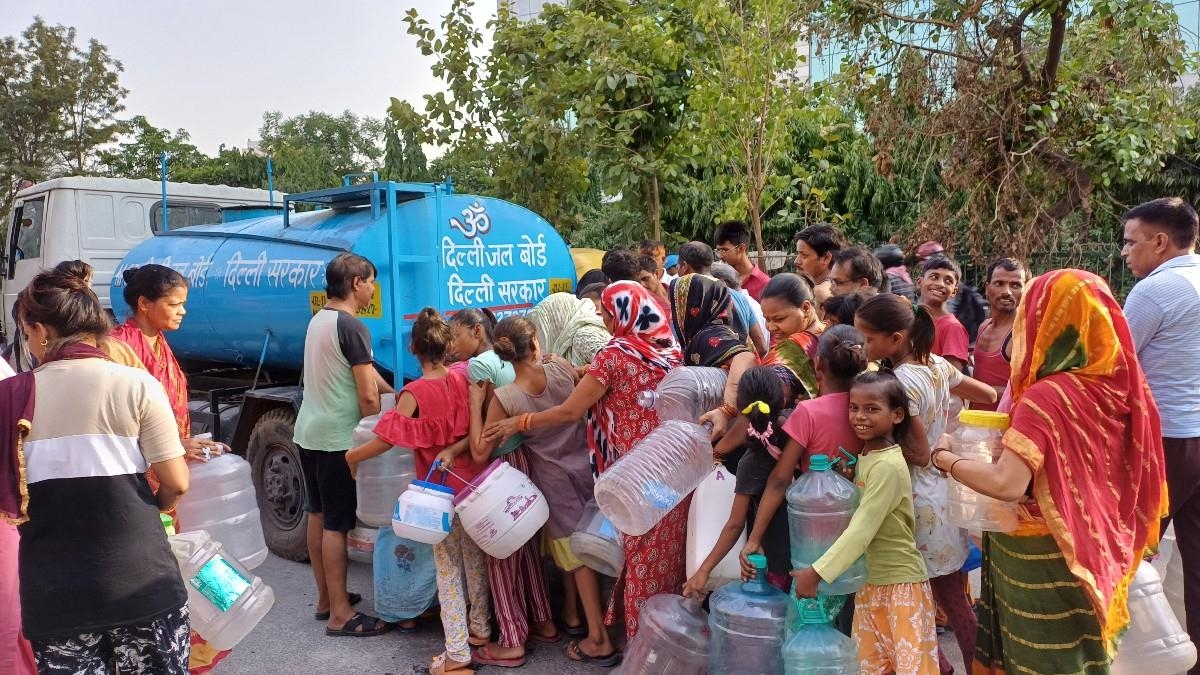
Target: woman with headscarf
[[1084, 457], [635, 360], [569, 327]]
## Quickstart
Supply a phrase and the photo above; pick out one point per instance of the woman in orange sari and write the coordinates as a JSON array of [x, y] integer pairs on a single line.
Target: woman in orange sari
[[1084, 457]]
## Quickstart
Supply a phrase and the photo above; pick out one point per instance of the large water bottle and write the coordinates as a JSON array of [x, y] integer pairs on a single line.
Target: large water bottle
[[747, 621], [816, 648], [1155, 637], [221, 501], [672, 639], [642, 487], [820, 505], [978, 438], [225, 600], [1170, 568], [686, 393], [380, 479]]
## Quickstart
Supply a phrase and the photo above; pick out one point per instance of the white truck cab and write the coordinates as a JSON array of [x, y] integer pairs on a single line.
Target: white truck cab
[[99, 220]]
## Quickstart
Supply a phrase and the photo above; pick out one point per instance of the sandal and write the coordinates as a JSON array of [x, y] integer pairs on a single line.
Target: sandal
[[575, 653], [355, 598], [484, 656], [370, 626], [406, 626], [547, 639], [477, 641], [438, 666], [573, 631]]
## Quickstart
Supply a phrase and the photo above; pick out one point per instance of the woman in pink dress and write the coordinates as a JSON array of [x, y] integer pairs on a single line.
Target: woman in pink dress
[[636, 359]]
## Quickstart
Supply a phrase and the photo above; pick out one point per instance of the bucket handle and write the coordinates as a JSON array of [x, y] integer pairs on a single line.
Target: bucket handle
[[435, 467], [447, 470]]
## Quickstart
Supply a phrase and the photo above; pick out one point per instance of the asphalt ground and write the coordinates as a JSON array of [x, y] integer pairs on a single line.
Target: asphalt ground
[[289, 641]]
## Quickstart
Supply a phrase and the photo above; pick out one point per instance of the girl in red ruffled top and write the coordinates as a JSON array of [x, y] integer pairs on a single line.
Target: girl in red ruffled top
[[432, 417]]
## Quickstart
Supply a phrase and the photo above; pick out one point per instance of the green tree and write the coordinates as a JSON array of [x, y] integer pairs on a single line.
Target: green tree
[[232, 166], [316, 149], [140, 155], [404, 129]]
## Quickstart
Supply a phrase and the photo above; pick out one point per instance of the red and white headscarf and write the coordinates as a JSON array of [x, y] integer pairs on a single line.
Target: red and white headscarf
[[639, 327]]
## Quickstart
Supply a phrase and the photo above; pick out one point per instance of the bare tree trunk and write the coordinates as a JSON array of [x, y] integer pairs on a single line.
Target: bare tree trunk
[[756, 225], [653, 205]]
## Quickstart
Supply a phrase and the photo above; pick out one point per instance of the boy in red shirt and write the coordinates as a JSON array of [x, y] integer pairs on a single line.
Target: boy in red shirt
[[939, 281]]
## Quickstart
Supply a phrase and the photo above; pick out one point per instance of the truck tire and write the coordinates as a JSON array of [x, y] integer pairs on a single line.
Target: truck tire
[[279, 484]]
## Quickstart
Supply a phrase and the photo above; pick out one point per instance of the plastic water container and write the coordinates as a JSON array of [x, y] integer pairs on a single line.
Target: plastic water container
[[382, 478], [686, 393], [816, 648], [820, 505], [404, 575], [672, 639], [1155, 636], [424, 511], [502, 509], [360, 544], [978, 438], [747, 621], [221, 501], [225, 600], [1169, 566], [597, 543], [707, 515], [659, 472]]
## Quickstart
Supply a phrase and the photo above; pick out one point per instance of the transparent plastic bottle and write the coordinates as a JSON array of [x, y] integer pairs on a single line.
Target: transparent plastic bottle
[[816, 648], [655, 476], [978, 438], [672, 639], [597, 543], [225, 600], [382, 478], [221, 500], [747, 621], [686, 393], [1155, 635], [820, 505]]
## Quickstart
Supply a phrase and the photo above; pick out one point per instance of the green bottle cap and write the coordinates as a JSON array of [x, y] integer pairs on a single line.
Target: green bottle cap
[[168, 523], [758, 560], [819, 463]]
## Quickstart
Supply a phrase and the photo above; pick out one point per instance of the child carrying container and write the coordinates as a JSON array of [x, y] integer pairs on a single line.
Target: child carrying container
[[894, 611], [431, 417]]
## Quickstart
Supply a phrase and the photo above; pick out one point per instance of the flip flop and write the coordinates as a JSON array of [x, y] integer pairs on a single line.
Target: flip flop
[[438, 666], [401, 628], [575, 653], [547, 640], [477, 641], [573, 631], [371, 626], [483, 655], [355, 598]]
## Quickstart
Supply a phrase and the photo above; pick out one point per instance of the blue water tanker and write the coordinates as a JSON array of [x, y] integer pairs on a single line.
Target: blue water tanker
[[257, 279]]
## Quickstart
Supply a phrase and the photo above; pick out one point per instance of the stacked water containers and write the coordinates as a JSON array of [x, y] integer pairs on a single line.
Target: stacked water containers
[[381, 479], [686, 393], [748, 621], [816, 648], [820, 505], [597, 543], [672, 639], [1155, 637], [978, 438], [221, 501]]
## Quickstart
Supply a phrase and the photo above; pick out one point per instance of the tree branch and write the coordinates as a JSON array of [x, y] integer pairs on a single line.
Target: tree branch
[[1054, 48]]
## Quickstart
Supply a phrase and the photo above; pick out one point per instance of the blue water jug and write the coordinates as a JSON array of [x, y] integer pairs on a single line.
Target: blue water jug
[[816, 648], [820, 505], [747, 621]]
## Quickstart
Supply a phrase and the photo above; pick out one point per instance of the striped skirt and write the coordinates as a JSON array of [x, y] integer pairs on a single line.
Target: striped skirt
[[1033, 614]]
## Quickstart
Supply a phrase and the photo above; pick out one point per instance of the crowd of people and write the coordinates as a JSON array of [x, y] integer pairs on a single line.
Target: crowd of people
[[855, 355]]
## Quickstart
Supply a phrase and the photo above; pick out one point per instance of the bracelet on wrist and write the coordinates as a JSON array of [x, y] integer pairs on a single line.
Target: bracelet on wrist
[[729, 410], [950, 471]]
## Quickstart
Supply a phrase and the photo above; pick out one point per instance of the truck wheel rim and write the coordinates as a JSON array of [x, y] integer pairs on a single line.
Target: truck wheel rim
[[285, 488]]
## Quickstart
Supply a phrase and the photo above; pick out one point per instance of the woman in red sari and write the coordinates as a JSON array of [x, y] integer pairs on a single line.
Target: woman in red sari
[[1084, 456], [635, 360], [156, 295]]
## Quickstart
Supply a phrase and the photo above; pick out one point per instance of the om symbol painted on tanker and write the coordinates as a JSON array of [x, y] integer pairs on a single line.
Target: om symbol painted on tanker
[[478, 222]]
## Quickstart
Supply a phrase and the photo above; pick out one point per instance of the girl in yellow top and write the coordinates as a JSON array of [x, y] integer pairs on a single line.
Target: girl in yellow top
[[893, 612]]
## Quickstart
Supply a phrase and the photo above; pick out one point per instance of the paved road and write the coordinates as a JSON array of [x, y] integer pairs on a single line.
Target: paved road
[[289, 641]]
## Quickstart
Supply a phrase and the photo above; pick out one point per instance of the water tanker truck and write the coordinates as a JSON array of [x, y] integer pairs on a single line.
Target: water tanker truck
[[256, 280]]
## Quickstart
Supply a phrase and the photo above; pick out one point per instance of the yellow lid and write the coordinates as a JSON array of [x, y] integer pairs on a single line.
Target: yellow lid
[[984, 418]]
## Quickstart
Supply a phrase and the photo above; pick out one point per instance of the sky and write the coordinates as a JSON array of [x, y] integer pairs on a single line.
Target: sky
[[213, 67]]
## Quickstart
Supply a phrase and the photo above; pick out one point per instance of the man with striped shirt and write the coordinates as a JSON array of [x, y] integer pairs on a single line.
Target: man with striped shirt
[[1162, 310]]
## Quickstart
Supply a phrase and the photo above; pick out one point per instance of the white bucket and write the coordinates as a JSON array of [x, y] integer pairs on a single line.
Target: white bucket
[[711, 504], [502, 509], [424, 511], [360, 544]]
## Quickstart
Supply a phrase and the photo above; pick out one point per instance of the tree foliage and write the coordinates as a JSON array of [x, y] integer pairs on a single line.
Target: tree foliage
[[139, 154]]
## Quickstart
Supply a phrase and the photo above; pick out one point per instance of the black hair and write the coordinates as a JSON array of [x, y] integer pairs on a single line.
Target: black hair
[[619, 264], [889, 313], [430, 336], [822, 238], [791, 288], [590, 277], [862, 265], [650, 247], [733, 232], [890, 255], [514, 339], [698, 256], [647, 264], [842, 307], [894, 394], [1171, 215], [940, 261], [341, 272], [1007, 264], [62, 299], [843, 350], [151, 282], [476, 316], [761, 383]]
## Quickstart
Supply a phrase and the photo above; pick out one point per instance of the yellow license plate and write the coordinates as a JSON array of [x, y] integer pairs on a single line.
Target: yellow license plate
[[560, 285], [317, 300]]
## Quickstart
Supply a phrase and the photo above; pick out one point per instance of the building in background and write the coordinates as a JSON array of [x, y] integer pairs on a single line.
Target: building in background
[[527, 9]]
